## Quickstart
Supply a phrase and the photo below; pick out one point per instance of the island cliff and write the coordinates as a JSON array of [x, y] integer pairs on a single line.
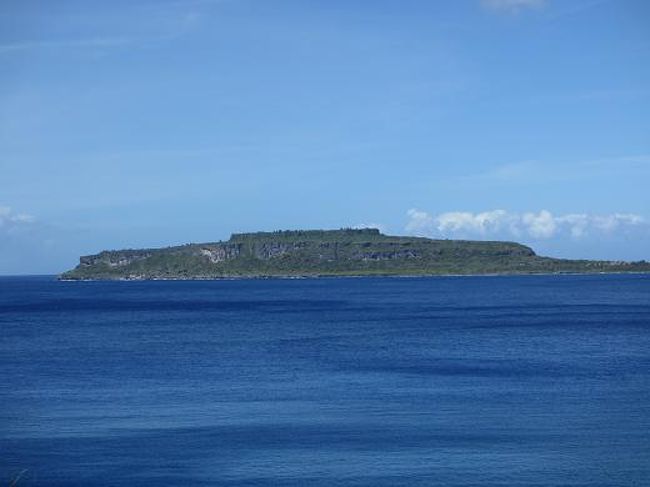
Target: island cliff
[[346, 252]]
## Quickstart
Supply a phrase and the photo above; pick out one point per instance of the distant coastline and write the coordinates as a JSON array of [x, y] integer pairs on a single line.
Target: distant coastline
[[351, 276], [301, 254], [344, 276]]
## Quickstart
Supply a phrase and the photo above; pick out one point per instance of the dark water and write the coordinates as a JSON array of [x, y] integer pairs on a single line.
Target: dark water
[[444, 381]]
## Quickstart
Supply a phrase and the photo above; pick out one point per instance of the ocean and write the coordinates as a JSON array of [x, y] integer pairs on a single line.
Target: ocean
[[454, 381]]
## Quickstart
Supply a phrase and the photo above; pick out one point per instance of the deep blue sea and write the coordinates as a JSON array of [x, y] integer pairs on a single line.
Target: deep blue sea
[[454, 381]]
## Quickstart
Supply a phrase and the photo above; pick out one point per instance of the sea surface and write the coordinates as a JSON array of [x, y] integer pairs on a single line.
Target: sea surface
[[454, 381]]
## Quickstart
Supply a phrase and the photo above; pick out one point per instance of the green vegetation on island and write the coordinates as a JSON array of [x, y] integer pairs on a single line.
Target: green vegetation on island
[[346, 252]]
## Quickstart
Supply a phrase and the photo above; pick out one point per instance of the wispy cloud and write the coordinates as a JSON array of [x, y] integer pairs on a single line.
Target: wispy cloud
[[504, 224], [565, 9], [138, 27], [65, 44], [512, 6], [591, 94], [531, 171], [11, 221]]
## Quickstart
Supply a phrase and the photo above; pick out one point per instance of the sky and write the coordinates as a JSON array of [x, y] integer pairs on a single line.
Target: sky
[[147, 123]]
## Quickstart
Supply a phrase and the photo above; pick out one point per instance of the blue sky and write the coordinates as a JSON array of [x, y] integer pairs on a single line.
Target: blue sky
[[150, 123]]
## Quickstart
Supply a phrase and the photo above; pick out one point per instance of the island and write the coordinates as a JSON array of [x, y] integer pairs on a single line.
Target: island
[[320, 253]]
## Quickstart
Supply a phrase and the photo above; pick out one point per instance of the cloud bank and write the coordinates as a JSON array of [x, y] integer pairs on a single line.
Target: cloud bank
[[504, 224]]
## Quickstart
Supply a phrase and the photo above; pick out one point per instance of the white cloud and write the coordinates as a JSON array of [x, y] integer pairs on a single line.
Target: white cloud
[[10, 220], [420, 222], [609, 223], [503, 224], [541, 225], [512, 5], [481, 223], [577, 223]]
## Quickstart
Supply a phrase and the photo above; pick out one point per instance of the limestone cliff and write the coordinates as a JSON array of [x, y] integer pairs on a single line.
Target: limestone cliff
[[346, 252]]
